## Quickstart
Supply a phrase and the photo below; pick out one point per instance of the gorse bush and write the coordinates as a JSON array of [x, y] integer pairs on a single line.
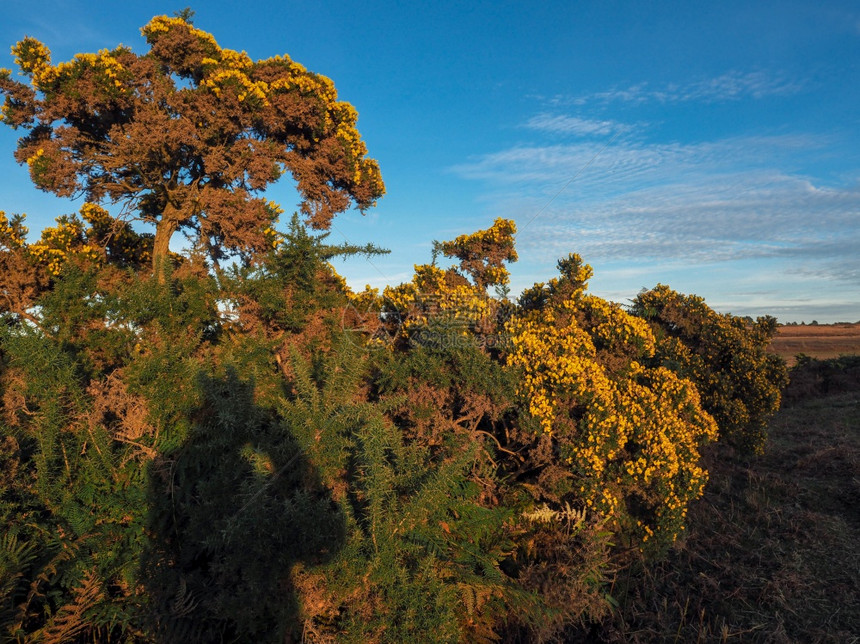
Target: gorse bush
[[620, 437], [724, 355], [223, 455], [199, 452]]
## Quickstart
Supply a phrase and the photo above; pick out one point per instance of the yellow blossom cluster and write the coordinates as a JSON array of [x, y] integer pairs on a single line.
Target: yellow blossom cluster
[[104, 239], [5, 106], [223, 67], [248, 88], [305, 82], [96, 216], [31, 56], [105, 231], [614, 328], [345, 118], [13, 233], [482, 254], [630, 435], [34, 59], [500, 233], [535, 334], [62, 242], [274, 238], [365, 300], [163, 24], [442, 307], [31, 160], [441, 299], [231, 59]]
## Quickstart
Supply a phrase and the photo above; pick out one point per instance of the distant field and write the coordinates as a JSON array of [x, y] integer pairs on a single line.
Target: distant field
[[820, 341]]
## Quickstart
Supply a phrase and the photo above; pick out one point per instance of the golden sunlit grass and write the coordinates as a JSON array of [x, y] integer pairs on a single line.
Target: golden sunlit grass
[[822, 341]]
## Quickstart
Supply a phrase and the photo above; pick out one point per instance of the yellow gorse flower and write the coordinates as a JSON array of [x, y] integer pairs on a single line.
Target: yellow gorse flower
[[60, 243], [12, 232], [626, 429]]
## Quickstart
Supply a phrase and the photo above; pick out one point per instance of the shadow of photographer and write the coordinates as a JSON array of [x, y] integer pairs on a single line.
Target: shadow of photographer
[[231, 511]]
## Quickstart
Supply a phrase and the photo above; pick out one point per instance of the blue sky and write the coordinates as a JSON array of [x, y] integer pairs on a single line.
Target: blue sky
[[712, 147]]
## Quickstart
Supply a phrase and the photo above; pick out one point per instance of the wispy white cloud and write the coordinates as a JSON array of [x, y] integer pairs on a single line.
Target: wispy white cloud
[[732, 85], [573, 125], [719, 218], [625, 165], [694, 206]]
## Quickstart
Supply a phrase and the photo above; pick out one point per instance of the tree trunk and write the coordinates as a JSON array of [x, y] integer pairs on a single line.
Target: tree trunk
[[161, 247]]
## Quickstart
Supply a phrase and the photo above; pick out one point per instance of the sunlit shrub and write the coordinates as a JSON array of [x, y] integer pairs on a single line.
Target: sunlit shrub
[[724, 355], [625, 435]]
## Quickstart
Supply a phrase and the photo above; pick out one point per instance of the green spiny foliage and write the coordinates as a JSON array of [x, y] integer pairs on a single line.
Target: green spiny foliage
[[417, 542], [78, 491], [287, 288]]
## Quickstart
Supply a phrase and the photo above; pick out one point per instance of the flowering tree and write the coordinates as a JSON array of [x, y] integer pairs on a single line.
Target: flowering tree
[[187, 135]]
